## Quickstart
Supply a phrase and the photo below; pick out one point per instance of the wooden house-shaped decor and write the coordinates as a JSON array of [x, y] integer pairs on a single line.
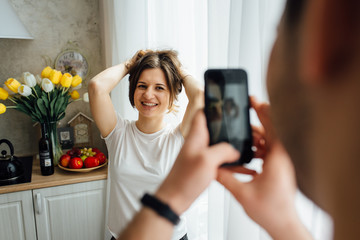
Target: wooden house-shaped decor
[[82, 130]]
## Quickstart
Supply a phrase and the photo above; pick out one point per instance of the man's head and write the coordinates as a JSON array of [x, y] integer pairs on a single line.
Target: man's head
[[314, 84]]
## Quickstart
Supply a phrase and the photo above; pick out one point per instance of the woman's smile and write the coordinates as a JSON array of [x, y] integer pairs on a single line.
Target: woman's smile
[[149, 104]]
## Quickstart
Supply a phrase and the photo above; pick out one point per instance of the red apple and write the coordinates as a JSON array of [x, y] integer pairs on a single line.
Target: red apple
[[91, 162], [65, 160], [76, 163], [101, 157]]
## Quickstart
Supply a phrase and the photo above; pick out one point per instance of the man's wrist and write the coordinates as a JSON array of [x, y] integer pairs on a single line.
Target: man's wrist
[[172, 197], [160, 207]]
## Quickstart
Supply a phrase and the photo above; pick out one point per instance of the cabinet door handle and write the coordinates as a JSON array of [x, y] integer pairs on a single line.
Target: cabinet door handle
[[38, 203]]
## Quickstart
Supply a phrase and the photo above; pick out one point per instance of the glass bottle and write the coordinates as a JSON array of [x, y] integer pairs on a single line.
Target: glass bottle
[[45, 152]]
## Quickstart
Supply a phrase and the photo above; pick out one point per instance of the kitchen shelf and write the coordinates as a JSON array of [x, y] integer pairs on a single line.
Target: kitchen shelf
[[59, 178]]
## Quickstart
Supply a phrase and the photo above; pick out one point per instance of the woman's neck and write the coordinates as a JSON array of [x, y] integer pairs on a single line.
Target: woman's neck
[[150, 125]]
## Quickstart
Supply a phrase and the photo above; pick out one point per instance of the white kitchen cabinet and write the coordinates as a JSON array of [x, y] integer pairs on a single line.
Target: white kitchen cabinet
[[74, 211], [17, 216]]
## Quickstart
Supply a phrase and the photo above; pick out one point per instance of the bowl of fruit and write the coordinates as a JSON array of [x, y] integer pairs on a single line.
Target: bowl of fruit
[[82, 160]]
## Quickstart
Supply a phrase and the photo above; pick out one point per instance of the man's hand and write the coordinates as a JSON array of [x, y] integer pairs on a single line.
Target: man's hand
[[269, 199], [196, 166]]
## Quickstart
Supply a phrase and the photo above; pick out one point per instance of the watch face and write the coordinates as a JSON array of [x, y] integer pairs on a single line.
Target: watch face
[[72, 62]]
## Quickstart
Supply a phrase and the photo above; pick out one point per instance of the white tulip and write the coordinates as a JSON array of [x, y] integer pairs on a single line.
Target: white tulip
[[47, 85], [86, 97], [24, 90], [29, 79], [77, 87], [38, 79]]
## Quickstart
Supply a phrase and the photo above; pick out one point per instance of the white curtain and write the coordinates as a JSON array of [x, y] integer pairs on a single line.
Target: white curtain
[[130, 25], [207, 34]]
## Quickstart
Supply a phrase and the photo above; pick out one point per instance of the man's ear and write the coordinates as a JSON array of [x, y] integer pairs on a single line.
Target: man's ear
[[329, 35]]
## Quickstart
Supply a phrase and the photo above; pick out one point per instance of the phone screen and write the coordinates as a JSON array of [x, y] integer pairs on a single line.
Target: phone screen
[[227, 110]]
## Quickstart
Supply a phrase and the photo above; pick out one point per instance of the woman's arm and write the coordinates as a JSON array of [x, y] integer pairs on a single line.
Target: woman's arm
[[101, 106], [100, 87], [195, 95]]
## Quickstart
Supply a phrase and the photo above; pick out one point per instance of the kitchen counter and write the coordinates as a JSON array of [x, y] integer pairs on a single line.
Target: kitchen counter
[[60, 177]]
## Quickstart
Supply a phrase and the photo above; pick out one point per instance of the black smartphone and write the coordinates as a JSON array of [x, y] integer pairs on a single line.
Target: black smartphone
[[227, 110]]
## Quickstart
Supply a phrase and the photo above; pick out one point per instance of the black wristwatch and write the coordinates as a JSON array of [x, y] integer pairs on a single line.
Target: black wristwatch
[[160, 208]]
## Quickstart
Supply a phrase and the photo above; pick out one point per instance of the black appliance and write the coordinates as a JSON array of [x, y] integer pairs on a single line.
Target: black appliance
[[14, 170]]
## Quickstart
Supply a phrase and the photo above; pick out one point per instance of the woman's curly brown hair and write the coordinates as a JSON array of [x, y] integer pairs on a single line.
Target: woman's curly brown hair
[[166, 60]]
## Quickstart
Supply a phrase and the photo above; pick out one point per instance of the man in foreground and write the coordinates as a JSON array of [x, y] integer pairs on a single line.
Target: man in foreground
[[313, 84]]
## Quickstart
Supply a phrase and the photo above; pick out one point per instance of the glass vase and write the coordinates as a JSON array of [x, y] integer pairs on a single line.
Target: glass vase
[[56, 147]]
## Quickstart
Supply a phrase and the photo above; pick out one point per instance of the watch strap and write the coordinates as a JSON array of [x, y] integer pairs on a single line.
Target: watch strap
[[160, 208]]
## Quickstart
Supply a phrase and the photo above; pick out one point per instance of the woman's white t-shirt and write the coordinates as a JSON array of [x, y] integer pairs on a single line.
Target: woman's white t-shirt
[[138, 162]]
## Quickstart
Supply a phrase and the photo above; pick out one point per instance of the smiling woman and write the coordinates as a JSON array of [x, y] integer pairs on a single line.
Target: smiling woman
[[142, 152], [151, 96]]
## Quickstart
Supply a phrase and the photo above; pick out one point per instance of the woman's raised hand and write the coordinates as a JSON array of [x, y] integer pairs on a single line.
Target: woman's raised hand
[[129, 64]]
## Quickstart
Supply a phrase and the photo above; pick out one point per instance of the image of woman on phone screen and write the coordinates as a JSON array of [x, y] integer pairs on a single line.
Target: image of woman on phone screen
[[142, 152]]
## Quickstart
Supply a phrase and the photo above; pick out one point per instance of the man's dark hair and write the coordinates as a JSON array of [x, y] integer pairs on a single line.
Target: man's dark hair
[[293, 12]]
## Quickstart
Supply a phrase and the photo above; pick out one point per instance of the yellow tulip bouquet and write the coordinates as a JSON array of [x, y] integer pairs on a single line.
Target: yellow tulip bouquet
[[44, 98]]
